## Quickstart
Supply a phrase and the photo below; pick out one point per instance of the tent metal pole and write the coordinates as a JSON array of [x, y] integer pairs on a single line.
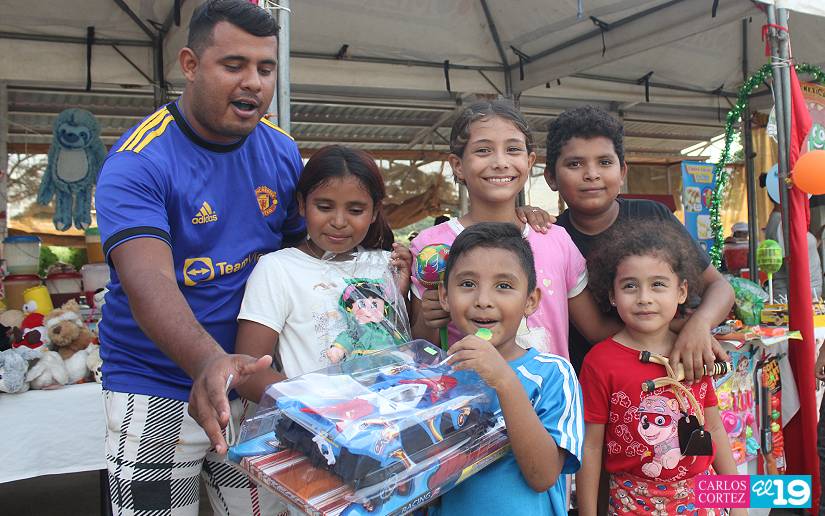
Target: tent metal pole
[[158, 81], [785, 77], [4, 158], [283, 96], [753, 235], [777, 66]]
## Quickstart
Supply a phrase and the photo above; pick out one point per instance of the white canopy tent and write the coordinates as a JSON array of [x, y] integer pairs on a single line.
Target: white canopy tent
[[362, 53], [372, 73]]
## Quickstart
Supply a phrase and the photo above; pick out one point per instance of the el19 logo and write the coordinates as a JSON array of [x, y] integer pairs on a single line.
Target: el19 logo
[[774, 491]]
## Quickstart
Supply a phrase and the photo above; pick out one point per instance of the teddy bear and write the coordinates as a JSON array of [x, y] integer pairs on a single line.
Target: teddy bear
[[14, 364], [66, 331]]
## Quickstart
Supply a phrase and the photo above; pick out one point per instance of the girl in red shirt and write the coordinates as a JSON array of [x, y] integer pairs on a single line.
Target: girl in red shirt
[[645, 271]]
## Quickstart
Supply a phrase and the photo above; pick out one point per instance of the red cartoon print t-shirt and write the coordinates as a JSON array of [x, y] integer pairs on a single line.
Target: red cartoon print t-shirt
[[640, 428]]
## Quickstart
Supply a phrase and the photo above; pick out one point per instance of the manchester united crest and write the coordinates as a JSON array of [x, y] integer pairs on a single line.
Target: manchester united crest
[[267, 200]]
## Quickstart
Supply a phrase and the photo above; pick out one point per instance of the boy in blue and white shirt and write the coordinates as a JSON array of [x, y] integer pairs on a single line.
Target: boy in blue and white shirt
[[490, 283]]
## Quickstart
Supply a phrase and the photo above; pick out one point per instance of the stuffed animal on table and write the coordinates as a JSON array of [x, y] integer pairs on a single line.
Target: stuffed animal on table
[[31, 333], [76, 366], [94, 363], [10, 321], [75, 158], [66, 331], [48, 373], [14, 364]]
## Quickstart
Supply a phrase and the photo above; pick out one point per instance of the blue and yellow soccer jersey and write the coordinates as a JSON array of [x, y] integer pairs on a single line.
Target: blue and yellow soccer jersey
[[219, 207]]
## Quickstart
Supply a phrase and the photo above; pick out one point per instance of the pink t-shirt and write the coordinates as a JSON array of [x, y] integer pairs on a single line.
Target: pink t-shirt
[[561, 274]]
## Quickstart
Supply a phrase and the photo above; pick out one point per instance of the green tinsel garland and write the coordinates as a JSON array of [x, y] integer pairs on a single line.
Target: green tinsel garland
[[754, 81]]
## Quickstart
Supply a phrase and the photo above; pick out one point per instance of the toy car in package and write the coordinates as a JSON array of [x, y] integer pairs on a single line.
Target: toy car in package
[[387, 431]]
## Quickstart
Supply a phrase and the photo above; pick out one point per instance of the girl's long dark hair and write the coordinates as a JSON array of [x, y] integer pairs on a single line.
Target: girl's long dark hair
[[338, 161]]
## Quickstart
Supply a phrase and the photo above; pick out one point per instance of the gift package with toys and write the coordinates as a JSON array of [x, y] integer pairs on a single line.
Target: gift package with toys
[[386, 432]]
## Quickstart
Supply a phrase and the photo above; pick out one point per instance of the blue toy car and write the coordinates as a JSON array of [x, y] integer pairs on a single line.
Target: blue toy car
[[407, 414]]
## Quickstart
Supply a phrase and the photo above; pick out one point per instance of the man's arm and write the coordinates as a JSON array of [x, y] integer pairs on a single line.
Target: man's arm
[[694, 345], [144, 266]]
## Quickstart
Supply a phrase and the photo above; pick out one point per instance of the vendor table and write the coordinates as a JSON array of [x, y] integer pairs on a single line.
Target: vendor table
[[51, 432]]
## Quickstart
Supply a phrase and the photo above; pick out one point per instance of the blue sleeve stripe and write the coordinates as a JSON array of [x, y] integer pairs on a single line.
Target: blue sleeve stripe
[[129, 234]]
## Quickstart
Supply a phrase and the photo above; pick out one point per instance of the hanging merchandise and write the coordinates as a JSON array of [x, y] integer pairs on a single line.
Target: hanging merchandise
[[772, 183], [697, 192], [769, 257], [736, 400], [75, 158], [769, 397]]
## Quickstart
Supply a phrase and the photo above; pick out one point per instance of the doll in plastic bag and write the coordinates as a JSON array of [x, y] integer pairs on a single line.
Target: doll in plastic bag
[[370, 311]]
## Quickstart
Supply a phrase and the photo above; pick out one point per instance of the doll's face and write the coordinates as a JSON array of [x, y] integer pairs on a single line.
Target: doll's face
[[370, 309]]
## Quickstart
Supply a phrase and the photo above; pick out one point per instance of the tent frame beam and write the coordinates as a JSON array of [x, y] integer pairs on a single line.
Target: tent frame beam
[[76, 40], [597, 32], [655, 84], [135, 18], [401, 62], [491, 25]]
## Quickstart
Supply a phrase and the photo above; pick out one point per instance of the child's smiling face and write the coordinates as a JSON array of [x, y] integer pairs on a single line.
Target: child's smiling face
[[488, 289], [647, 293], [588, 174], [495, 165], [338, 213]]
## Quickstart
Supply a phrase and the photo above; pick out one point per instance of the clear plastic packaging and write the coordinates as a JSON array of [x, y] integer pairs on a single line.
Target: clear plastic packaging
[[364, 312], [380, 433]]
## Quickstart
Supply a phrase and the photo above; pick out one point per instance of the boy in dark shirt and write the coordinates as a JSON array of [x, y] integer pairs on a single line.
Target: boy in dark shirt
[[585, 164]]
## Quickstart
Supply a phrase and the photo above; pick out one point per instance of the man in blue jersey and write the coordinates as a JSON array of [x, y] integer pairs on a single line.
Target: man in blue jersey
[[187, 202]]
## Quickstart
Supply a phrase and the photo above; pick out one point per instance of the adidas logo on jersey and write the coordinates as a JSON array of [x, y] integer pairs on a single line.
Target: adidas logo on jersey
[[205, 215]]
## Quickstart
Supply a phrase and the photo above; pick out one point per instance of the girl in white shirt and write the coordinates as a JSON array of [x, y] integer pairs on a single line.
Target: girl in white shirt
[[306, 305]]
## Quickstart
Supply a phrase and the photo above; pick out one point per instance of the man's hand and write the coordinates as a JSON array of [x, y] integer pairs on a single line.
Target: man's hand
[[695, 347], [537, 218], [208, 401], [431, 311], [479, 355]]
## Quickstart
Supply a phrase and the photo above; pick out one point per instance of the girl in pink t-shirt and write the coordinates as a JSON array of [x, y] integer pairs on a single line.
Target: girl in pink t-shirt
[[644, 271], [491, 153]]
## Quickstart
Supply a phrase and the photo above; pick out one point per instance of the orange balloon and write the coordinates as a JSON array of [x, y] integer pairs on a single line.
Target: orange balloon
[[809, 173]]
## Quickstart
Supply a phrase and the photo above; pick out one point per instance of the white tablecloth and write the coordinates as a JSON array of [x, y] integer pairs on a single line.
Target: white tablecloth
[[51, 432]]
